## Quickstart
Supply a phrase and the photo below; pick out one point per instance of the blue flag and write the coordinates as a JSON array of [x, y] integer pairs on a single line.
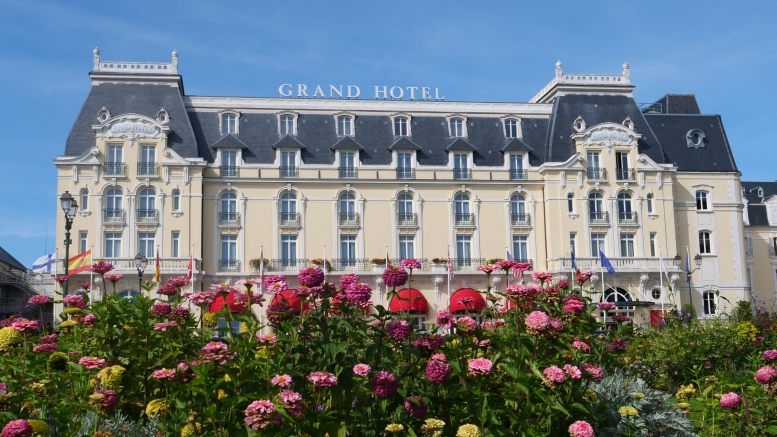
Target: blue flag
[[574, 264], [606, 263], [510, 257]]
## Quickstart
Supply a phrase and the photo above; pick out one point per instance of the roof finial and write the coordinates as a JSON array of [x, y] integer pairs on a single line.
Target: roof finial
[[175, 61], [626, 71], [96, 58], [558, 69]]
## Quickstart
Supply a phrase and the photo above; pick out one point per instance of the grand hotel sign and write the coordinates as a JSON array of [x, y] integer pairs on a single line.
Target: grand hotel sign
[[382, 92]]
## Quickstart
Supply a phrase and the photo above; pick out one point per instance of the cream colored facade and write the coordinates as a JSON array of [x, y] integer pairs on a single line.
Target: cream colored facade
[[227, 215]]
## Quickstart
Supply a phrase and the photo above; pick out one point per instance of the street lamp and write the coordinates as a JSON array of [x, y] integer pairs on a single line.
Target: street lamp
[[140, 263], [697, 261], [70, 208]]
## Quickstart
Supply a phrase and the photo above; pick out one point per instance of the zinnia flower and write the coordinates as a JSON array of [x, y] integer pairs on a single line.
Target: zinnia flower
[[168, 374], [398, 329], [394, 277], [432, 427], [537, 321], [322, 379], [766, 374], [271, 279], [48, 339], [22, 325], [359, 294], [39, 427], [730, 401], [444, 319], [259, 414], [480, 366], [101, 267], [581, 428], [578, 344], [468, 430], [384, 385], [277, 287], [45, 348], [293, 402], [74, 301], [572, 371], [104, 399], [361, 369], [770, 355], [163, 326], [281, 380], [39, 299], [160, 309], [202, 298], [416, 406], [554, 374], [311, 276], [410, 264], [17, 428], [348, 279], [191, 429], [395, 428], [542, 277], [114, 277], [266, 338], [90, 320], [466, 325], [605, 306], [216, 351], [437, 371], [594, 373], [156, 406], [92, 362]]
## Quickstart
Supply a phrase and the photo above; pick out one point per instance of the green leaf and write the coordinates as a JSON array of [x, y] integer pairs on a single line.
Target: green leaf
[[771, 429]]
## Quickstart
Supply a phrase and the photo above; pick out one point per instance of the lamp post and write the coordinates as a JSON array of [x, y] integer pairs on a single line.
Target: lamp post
[[140, 263], [70, 208], [697, 261]]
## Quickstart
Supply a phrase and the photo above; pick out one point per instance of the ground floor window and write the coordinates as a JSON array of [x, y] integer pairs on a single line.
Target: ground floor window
[[709, 301]]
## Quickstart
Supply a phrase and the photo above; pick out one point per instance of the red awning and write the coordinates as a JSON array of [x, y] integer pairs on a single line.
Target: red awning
[[409, 299], [218, 304], [290, 296], [467, 300]]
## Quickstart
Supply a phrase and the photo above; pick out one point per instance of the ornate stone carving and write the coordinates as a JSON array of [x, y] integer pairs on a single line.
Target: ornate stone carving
[[131, 127], [607, 135]]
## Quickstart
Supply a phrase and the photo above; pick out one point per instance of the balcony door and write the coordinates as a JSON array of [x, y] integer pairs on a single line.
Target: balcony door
[[146, 204], [404, 205], [289, 250], [348, 250], [517, 206]]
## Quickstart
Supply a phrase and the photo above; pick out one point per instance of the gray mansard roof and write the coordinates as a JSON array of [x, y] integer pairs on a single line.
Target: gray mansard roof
[[756, 209]]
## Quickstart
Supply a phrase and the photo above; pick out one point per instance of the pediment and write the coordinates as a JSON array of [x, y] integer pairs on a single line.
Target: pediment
[[131, 127], [645, 163], [88, 157], [607, 135]]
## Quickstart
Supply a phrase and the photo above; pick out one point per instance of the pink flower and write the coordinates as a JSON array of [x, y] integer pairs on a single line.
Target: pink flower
[[361, 369], [439, 357], [277, 287], [480, 366], [487, 269], [594, 373], [359, 294], [23, 325], [114, 277], [3, 389], [410, 264], [271, 279], [260, 413], [770, 355], [348, 279], [168, 374], [384, 385], [101, 267], [444, 319], [48, 339], [537, 321], [85, 285], [39, 299], [266, 338], [572, 371], [322, 379], [429, 343], [583, 277], [92, 362], [605, 306], [160, 309], [46, 348], [554, 374], [561, 283], [61, 279], [216, 351], [730, 401], [17, 428], [90, 320], [542, 277], [581, 428], [311, 276], [466, 325], [168, 290], [573, 306], [179, 313], [164, 326], [557, 324], [437, 371], [281, 380], [578, 344], [289, 396], [202, 298], [179, 282], [398, 329], [766, 374], [74, 301], [293, 402], [394, 277], [416, 406]]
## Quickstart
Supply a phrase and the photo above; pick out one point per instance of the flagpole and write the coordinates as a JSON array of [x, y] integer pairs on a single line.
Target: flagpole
[[91, 281], [323, 266], [661, 278], [450, 267], [191, 280]]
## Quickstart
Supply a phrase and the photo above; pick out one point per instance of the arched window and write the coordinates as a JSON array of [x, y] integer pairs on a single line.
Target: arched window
[[596, 213], [344, 125], [618, 295], [348, 214], [649, 203], [511, 128], [146, 205], [289, 209], [113, 205], [462, 215], [287, 125], [518, 209], [570, 202], [228, 213], [176, 200], [705, 242], [228, 124], [84, 200], [400, 126], [456, 127], [709, 303], [128, 294], [625, 213], [405, 209]]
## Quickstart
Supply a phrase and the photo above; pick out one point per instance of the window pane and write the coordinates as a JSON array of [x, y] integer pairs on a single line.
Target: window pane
[[83, 241]]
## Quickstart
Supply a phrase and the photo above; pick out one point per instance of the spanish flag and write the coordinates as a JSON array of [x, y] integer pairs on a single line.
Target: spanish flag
[[157, 269], [79, 263]]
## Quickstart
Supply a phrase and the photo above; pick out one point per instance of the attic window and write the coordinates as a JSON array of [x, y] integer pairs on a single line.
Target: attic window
[[103, 115], [162, 116], [758, 191], [695, 138]]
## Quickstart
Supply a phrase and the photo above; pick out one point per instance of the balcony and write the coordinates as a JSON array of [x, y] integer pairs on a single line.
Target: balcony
[[290, 172], [352, 264], [168, 266], [407, 219], [229, 171], [462, 174], [425, 265], [772, 251], [229, 218], [597, 174], [289, 219], [348, 172], [465, 264], [113, 215], [625, 174], [627, 218], [464, 219], [229, 265], [520, 219], [518, 174], [349, 219], [115, 169], [598, 218], [11, 306], [405, 173], [147, 215], [287, 264], [621, 264], [148, 169]]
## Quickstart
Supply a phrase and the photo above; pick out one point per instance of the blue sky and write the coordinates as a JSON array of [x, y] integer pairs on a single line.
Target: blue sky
[[724, 52]]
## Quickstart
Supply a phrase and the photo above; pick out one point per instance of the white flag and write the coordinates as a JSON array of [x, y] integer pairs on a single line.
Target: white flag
[[44, 264], [664, 270]]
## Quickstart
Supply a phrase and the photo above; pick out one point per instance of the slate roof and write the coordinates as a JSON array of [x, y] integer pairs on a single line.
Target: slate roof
[[229, 141], [460, 144], [347, 143], [679, 104], [404, 143], [137, 99], [671, 130], [7, 258], [516, 145], [756, 209], [288, 142]]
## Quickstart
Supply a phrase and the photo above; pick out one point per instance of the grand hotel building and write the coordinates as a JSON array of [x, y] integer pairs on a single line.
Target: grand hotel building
[[581, 167]]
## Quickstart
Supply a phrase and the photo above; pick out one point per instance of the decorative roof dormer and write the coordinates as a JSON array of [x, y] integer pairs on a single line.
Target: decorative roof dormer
[[131, 127], [576, 83], [607, 135]]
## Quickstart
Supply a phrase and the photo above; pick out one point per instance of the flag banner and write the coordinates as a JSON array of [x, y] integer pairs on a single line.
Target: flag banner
[[45, 264], [450, 267], [662, 266], [574, 264], [79, 263], [190, 267], [606, 263], [509, 256], [157, 269], [388, 260]]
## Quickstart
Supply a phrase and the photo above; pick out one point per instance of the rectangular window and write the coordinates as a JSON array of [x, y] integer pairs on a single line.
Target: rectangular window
[[148, 154], [146, 244], [521, 248], [705, 245], [570, 202], [176, 244], [650, 203], [348, 249], [228, 251], [229, 158], [627, 245], [622, 165], [516, 162], [460, 164], [511, 128], [176, 200], [652, 244], [593, 160], [343, 125], [347, 159], [400, 126], [115, 154], [463, 248], [288, 159], [457, 127], [709, 303], [406, 246], [749, 246], [404, 160], [597, 244], [112, 244], [419, 323], [84, 200], [701, 201], [228, 125], [287, 125], [572, 245], [289, 250], [83, 242]]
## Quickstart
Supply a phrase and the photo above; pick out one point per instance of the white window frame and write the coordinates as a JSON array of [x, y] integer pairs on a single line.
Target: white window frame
[[465, 240], [452, 160], [395, 158], [404, 242], [294, 117], [83, 241], [573, 242], [143, 240], [626, 238], [707, 200], [115, 147], [175, 244], [289, 241], [517, 241], [356, 158], [113, 241], [408, 118], [297, 159], [143, 159], [602, 247], [710, 242], [229, 239], [175, 198], [518, 130], [652, 242], [650, 203], [83, 197], [236, 114], [238, 156], [570, 203], [463, 119], [351, 118], [709, 298]]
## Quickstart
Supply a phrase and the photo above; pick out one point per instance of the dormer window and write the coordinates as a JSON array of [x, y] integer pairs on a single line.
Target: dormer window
[[287, 125], [511, 128], [103, 115], [456, 127], [344, 125], [162, 116], [228, 124], [400, 126]]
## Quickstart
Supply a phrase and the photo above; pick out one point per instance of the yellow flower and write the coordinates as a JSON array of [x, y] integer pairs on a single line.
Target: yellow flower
[[156, 406], [468, 430], [188, 430], [72, 311], [243, 327], [222, 394], [37, 386], [210, 319], [39, 428], [746, 330], [58, 361], [110, 377], [432, 427], [394, 428], [685, 391], [9, 338], [590, 396], [638, 395], [684, 405], [454, 341], [67, 324], [628, 410], [227, 378]]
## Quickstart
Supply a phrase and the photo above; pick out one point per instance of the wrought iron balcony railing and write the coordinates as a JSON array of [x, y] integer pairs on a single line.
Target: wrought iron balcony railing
[[407, 219], [627, 217], [287, 264], [462, 173], [425, 265], [518, 174], [598, 217], [148, 169], [405, 173], [349, 218], [229, 218], [625, 174], [229, 171], [597, 174], [229, 265], [348, 172], [114, 215], [465, 219], [147, 215], [115, 169], [290, 172], [467, 263], [358, 264], [289, 218], [522, 218]]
